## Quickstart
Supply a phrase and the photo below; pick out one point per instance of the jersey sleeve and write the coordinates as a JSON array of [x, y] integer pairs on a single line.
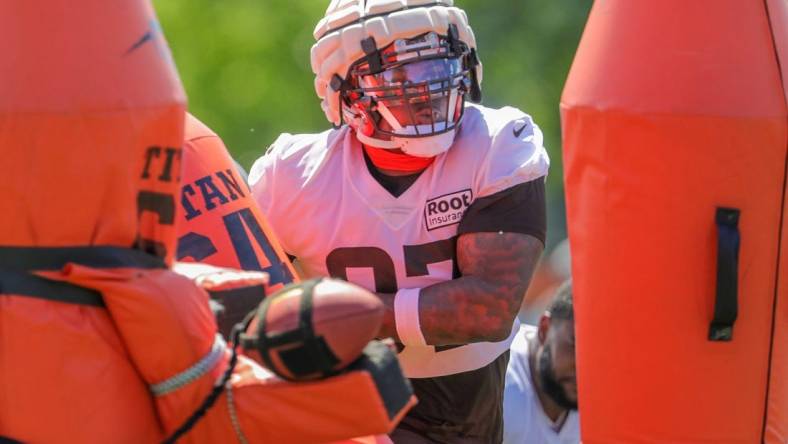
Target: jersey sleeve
[[510, 182], [516, 154], [517, 209]]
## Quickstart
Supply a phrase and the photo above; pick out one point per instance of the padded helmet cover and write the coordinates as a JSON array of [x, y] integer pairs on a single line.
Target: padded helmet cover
[[348, 22]]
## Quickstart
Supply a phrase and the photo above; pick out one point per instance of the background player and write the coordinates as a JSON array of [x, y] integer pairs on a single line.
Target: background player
[[540, 399]]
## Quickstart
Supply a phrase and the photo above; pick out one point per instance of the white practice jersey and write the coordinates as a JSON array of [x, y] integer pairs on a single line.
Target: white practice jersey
[[524, 420], [331, 213]]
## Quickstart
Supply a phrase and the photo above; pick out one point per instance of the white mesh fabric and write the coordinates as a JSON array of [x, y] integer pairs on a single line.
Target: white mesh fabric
[[348, 22]]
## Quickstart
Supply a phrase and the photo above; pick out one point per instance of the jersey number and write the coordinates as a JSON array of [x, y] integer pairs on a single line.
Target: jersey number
[[161, 204], [417, 257], [199, 247]]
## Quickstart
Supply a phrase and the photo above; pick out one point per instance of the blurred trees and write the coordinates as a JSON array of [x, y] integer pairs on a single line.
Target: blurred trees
[[245, 67]]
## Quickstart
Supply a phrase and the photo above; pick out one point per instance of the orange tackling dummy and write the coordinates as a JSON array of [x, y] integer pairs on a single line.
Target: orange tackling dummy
[[674, 126], [100, 340]]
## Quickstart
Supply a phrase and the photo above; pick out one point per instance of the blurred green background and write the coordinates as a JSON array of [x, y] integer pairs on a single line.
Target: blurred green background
[[245, 67]]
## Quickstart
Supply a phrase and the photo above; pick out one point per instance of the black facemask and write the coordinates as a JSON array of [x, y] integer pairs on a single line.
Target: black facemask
[[550, 384]]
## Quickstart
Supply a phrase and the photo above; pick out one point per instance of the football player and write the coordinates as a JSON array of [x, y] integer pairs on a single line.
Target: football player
[[434, 203], [540, 398]]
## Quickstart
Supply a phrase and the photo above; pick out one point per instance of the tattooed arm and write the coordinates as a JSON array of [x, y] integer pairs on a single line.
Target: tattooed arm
[[482, 304]]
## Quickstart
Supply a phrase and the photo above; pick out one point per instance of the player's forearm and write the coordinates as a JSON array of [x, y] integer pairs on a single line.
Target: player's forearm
[[482, 304], [461, 311]]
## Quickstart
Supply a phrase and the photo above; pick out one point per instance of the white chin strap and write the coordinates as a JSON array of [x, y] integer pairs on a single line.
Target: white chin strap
[[429, 146]]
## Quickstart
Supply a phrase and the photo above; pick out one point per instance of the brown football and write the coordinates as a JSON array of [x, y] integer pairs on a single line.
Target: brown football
[[305, 337]]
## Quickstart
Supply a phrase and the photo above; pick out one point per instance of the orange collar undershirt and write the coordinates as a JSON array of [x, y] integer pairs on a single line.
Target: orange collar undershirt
[[389, 160]]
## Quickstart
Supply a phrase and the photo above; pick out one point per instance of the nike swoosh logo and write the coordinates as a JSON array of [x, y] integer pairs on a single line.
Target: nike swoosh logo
[[517, 132], [145, 38]]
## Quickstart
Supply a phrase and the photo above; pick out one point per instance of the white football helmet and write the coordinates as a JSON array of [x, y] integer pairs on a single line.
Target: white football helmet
[[397, 71]]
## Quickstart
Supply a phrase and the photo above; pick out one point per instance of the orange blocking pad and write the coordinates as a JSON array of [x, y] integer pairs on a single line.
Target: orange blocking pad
[[776, 426], [667, 115], [91, 116], [168, 331], [369, 399], [99, 341], [63, 366], [91, 124]]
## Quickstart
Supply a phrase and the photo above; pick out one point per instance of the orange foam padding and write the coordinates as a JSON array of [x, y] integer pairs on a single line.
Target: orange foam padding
[[166, 326], [371, 398], [778, 19], [776, 428], [67, 376], [218, 222], [672, 109], [91, 112], [91, 117]]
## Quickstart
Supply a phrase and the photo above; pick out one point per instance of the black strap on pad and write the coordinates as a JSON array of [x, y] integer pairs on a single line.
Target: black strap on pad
[[302, 352], [726, 304], [16, 283], [17, 263], [54, 258], [381, 363]]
